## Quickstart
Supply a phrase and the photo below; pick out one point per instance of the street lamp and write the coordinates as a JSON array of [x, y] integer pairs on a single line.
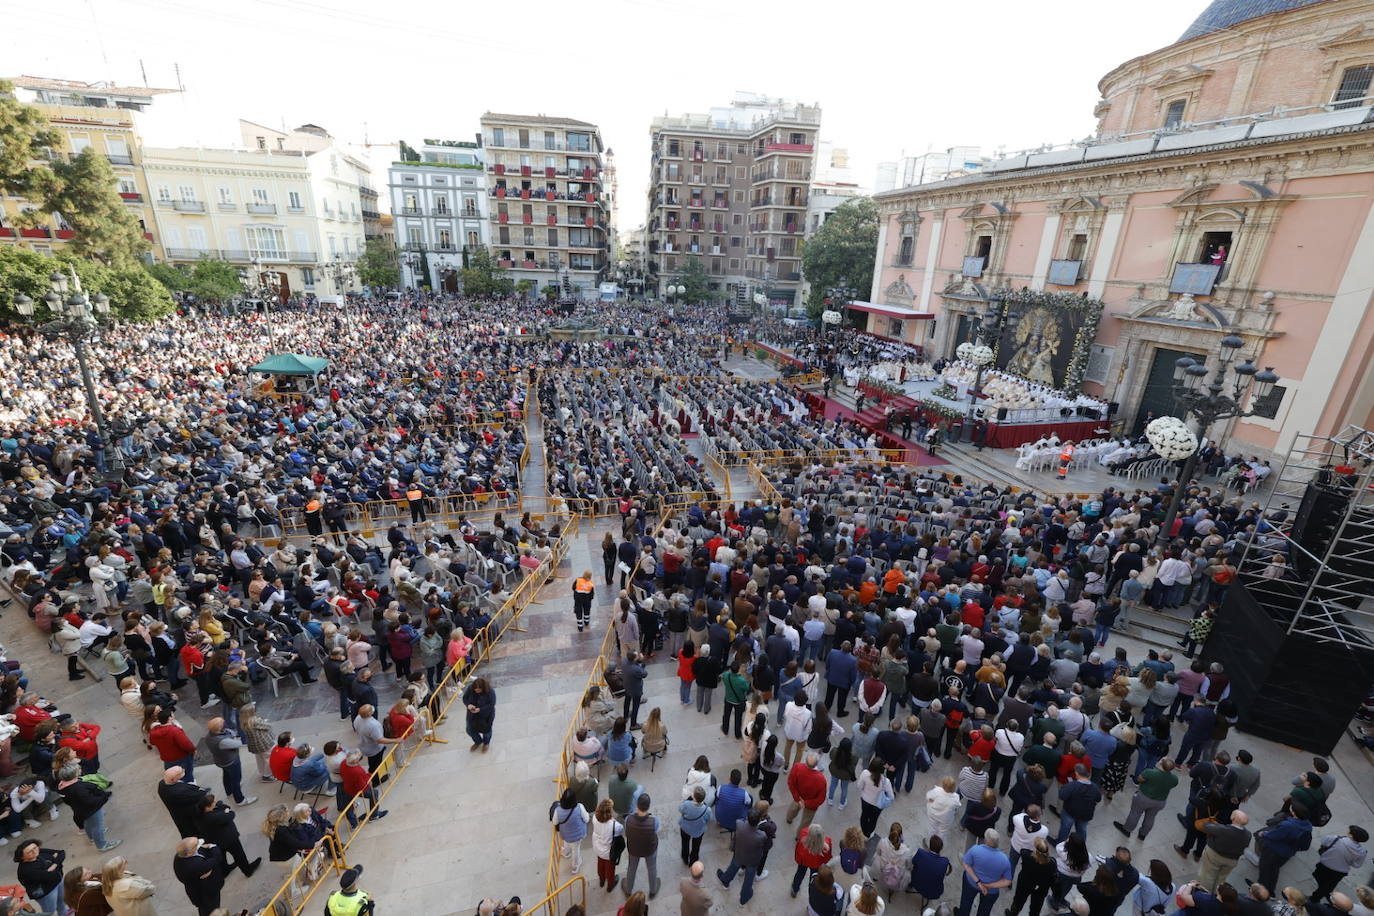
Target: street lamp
[[267, 292], [991, 328], [340, 273], [76, 317], [1208, 404], [672, 291]]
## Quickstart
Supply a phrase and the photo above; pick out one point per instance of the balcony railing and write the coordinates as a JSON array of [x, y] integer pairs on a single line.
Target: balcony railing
[[411, 211], [295, 257], [119, 160], [132, 197], [263, 209], [788, 147], [189, 206], [226, 206], [295, 208]]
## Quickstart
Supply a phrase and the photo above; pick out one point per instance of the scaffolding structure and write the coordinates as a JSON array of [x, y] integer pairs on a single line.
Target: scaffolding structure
[[1320, 520]]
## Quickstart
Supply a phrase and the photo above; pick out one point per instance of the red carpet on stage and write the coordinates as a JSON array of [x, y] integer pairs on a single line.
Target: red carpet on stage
[[873, 417]]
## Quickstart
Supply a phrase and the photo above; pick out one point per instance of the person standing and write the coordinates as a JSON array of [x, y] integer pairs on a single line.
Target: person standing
[[807, 784], [695, 900], [199, 866], [1226, 843], [986, 871], [1280, 843], [1038, 875], [127, 894], [182, 799], [1078, 800], [217, 827], [584, 591], [87, 801], [736, 692], [634, 673], [570, 821], [40, 872], [371, 741], [1338, 856], [224, 748], [173, 745], [841, 675], [641, 843], [1152, 792], [349, 899], [694, 816], [340, 677], [751, 844]]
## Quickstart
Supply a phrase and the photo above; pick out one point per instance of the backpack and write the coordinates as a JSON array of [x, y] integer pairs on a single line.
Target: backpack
[[851, 860], [891, 875], [1319, 816]]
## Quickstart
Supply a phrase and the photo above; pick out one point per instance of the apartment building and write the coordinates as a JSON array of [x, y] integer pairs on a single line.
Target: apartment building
[[439, 202], [548, 216], [732, 187], [96, 116]]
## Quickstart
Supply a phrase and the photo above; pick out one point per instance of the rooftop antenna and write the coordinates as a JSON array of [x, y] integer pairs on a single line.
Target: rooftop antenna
[[144, 70], [180, 86]]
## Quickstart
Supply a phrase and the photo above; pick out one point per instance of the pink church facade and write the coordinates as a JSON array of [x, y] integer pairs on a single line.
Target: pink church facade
[[1230, 190]]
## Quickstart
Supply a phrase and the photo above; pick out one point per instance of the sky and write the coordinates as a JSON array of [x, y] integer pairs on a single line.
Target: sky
[[892, 78]]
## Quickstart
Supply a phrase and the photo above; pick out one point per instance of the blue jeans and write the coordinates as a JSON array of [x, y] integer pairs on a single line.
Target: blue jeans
[[95, 827], [749, 874], [811, 648], [477, 735], [233, 781], [893, 702], [1101, 631], [684, 692], [52, 903], [985, 901], [1067, 825], [187, 763], [843, 785]]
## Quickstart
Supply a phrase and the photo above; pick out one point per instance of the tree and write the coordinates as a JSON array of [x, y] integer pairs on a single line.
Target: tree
[[25, 136], [170, 276], [484, 277], [524, 286], [214, 281], [134, 293], [379, 266], [844, 247], [550, 291], [408, 153], [83, 189], [88, 198], [695, 279]]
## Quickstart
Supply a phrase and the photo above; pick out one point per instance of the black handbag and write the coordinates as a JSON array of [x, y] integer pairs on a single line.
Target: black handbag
[[617, 848]]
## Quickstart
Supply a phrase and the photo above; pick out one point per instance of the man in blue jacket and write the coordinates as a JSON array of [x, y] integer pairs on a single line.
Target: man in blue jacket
[[733, 802], [1281, 842], [1077, 803], [841, 674]]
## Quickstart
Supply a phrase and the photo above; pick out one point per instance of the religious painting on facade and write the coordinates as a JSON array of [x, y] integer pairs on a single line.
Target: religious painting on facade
[[1051, 342]]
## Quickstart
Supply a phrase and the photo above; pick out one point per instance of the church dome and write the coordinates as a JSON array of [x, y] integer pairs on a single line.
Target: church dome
[[1222, 14]]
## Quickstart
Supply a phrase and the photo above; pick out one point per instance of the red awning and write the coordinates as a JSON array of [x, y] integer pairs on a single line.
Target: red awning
[[891, 311]]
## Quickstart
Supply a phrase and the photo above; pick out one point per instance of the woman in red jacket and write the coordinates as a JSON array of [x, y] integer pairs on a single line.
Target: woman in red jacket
[[813, 851], [356, 780], [684, 672]]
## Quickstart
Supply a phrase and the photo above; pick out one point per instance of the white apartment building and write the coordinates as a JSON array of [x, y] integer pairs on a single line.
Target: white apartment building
[[239, 206], [441, 211], [909, 171]]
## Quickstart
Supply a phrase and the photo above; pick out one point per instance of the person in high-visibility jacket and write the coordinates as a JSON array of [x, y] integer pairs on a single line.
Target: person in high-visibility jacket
[[416, 498], [349, 899], [1065, 458], [584, 590]]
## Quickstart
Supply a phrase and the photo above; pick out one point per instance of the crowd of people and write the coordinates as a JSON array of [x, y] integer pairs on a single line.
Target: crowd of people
[[941, 650]]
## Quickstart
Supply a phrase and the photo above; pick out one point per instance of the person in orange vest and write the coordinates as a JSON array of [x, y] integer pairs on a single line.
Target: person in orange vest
[[416, 498], [1065, 457], [584, 590]]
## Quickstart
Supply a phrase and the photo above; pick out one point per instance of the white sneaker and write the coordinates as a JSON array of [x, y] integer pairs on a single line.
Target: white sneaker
[[210, 702], [761, 875], [4, 842], [32, 823], [54, 814], [248, 801]]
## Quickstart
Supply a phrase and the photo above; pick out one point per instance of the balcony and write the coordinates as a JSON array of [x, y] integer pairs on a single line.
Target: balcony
[[119, 160], [499, 168], [225, 206], [64, 234], [190, 254], [504, 262], [242, 255], [41, 232], [297, 208], [189, 206], [367, 214], [444, 246], [527, 219], [132, 197], [503, 218], [405, 211], [788, 148], [263, 209]]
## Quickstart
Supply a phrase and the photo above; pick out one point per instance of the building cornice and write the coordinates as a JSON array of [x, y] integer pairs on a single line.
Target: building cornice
[[1273, 155]]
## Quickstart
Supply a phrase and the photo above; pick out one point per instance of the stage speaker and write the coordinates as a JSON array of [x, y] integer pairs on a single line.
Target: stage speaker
[[1289, 687], [1319, 515], [1002, 413], [1112, 408]]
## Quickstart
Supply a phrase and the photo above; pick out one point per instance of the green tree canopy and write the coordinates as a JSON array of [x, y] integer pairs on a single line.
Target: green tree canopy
[[83, 188], [550, 290], [134, 292], [844, 247], [213, 281], [379, 266], [695, 279], [484, 277], [170, 276]]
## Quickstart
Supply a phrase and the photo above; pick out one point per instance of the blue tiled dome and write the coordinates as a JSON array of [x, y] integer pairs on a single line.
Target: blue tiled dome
[[1222, 14]]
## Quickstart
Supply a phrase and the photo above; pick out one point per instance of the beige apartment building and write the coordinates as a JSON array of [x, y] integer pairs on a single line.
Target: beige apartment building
[[96, 116], [548, 209], [732, 188]]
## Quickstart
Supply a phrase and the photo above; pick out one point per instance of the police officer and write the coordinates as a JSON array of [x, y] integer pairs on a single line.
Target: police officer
[[349, 899], [584, 590]]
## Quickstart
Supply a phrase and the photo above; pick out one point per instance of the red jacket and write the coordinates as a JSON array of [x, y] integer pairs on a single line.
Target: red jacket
[[280, 762], [684, 667], [192, 659], [807, 785], [355, 778], [805, 858], [982, 748], [82, 740], [27, 718], [171, 742]]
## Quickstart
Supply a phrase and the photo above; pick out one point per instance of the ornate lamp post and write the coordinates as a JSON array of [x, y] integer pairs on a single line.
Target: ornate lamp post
[[991, 328], [76, 317], [674, 291], [340, 273], [1217, 400], [268, 292]]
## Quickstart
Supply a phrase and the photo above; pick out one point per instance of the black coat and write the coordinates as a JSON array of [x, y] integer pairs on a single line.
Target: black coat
[[218, 826], [203, 877], [183, 801], [39, 877], [486, 707], [84, 799]]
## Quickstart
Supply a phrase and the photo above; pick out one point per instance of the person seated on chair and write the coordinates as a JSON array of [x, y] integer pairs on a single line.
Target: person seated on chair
[[283, 663], [309, 771]]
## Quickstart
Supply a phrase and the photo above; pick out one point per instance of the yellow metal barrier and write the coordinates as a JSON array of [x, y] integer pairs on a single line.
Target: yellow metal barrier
[[572, 891], [399, 757], [325, 860]]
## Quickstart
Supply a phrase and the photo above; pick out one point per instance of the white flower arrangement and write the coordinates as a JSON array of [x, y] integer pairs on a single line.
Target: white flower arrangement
[[1171, 438]]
